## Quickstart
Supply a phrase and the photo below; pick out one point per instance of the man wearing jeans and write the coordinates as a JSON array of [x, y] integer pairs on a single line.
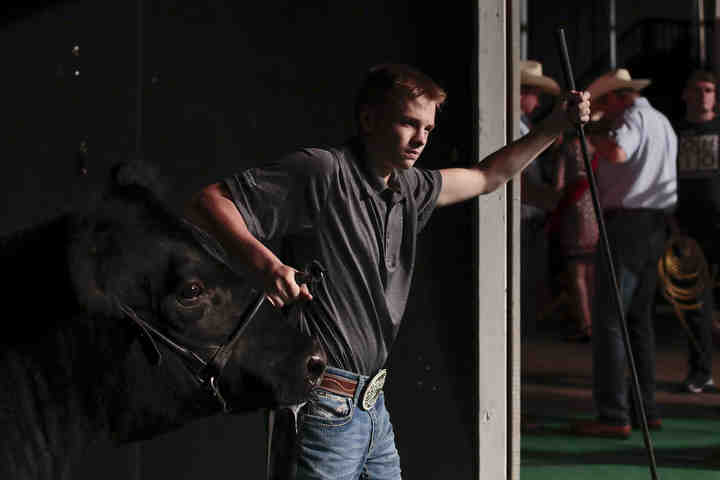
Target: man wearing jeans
[[698, 212], [637, 183], [357, 209]]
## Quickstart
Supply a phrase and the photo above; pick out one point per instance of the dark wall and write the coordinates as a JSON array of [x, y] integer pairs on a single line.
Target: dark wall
[[654, 40], [225, 86]]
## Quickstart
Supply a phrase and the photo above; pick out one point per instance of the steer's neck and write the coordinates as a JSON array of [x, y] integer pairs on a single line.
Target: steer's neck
[[44, 425]]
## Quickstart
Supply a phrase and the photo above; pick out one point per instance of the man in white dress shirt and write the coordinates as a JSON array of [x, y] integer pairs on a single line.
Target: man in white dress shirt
[[637, 184]]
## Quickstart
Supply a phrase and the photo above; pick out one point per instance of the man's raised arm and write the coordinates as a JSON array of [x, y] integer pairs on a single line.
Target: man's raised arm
[[460, 184]]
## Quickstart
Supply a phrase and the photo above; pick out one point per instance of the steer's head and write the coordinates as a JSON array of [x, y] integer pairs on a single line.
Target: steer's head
[[137, 260]]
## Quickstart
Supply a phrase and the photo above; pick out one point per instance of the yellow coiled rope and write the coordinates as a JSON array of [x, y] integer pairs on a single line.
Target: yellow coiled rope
[[684, 275]]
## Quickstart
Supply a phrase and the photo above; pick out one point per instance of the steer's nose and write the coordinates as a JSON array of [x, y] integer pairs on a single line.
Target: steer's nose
[[316, 365]]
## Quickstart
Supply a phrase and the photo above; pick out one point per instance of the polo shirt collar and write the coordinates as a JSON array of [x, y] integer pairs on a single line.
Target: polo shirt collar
[[373, 183]]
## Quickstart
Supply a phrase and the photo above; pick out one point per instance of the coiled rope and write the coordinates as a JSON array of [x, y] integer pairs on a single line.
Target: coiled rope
[[684, 275]]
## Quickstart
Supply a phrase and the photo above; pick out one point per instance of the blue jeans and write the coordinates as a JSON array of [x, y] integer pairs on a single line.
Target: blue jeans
[[339, 440], [704, 227], [637, 240]]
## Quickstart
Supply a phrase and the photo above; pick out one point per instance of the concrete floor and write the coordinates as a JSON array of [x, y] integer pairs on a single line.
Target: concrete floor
[[557, 375]]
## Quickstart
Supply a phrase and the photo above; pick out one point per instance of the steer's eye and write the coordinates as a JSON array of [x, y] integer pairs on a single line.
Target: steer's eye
[[190, 292]]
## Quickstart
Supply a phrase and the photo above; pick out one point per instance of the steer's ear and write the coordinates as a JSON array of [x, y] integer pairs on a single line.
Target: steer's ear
[[97, 242], [134, 176]]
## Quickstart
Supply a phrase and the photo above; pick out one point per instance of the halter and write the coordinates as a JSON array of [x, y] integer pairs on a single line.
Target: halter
[[207, 371]]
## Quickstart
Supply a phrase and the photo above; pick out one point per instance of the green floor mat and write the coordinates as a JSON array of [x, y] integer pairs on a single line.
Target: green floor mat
[[682, 447], [614, 472]]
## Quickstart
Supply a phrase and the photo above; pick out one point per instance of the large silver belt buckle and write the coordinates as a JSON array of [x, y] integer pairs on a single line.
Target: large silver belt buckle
[[373, 389]]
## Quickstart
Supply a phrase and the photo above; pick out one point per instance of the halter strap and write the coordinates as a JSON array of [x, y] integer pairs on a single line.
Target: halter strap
[[207, 371]]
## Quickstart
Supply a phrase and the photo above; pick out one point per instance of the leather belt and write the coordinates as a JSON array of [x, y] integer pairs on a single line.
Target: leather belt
[[339, 385], [347, 387]]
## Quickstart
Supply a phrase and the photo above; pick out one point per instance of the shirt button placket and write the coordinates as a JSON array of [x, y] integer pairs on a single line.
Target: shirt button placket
[[392, 230]]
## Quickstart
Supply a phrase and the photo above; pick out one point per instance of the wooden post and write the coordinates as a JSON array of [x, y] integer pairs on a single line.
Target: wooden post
[[494, 458], [513, 242]]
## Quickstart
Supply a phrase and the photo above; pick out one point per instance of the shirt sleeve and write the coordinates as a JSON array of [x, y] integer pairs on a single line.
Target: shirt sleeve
[[629, 135], [285, 197], [425, 186]]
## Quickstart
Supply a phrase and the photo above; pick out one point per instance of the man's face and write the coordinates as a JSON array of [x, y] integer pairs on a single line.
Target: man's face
[[700, 97], [396, 133], [529, 98], [611, 104]]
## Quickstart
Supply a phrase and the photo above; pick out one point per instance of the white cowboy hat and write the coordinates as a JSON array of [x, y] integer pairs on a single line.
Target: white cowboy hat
[[531, 74], [615, 80]]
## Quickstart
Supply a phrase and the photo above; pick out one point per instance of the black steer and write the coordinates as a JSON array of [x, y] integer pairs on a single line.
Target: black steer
[[94, 303]]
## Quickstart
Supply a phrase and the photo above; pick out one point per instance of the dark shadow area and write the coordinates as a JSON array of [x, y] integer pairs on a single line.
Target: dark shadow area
[[205, 89]]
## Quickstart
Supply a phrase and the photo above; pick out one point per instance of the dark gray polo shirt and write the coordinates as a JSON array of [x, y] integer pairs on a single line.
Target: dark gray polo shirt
[[324, 204]]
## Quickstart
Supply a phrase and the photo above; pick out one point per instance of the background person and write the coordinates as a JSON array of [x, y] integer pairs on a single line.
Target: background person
[[698, 212], [538, 198], [637, 186], [573, 231]]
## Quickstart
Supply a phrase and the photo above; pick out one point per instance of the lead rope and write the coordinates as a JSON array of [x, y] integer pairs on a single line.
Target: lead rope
[[313, 274]]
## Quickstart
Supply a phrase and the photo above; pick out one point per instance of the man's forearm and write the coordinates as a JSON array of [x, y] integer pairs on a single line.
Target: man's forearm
[[460, 184], [212, 210], [510, 160]]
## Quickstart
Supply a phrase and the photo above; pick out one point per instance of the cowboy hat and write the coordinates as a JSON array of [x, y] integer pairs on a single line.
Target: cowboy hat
[[531, 74], [616, 80]]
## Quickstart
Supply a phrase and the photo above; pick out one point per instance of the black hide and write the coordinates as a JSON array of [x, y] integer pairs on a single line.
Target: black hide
[[74, 368]]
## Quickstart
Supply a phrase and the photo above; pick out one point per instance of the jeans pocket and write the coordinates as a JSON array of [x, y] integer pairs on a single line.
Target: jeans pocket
[[327, 408]]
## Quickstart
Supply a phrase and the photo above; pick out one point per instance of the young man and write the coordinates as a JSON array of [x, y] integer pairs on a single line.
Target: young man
[[357, 209], [636, 180], [698, 211]]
